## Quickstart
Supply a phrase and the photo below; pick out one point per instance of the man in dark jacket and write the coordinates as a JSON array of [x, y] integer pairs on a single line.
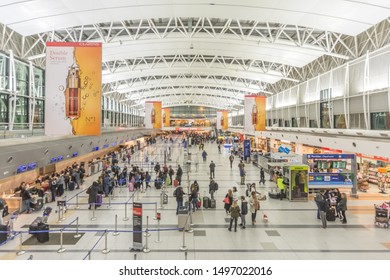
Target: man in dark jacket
[[92, 192], [213, 187], [179, 194], [179, 174], [212, 170]]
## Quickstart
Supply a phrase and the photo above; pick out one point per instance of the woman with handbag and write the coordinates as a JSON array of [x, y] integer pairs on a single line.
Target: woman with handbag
[[234, 214], [228, 201], [254, 204]]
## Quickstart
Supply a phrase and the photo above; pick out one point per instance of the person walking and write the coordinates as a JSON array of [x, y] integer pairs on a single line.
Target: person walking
[[254, 206], [212, 170], [244, 212], [231, 159], [343, 207], [262, 176], [234, 214], [213, 187], [241, 167], [204, 155]]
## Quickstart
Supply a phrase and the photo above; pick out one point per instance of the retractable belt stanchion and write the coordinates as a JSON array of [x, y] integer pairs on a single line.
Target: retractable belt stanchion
[[105, 250], [116, 233], [158, 240], [93, 212], [61, 249], [146, 249], [21, 251], [147, 234], [125, 218], [77, 235]]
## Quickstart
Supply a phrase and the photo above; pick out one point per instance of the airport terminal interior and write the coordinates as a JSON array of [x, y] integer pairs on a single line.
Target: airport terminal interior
[[297, 90]]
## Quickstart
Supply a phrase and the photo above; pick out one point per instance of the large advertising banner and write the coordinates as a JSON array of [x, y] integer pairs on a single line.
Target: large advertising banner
[[247, 149], [153, 115], [166, 117], [222, 120], [73, 83], [254, 110]]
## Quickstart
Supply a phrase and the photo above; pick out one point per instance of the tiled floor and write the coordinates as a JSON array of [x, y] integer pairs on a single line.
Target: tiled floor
[[292, 231]]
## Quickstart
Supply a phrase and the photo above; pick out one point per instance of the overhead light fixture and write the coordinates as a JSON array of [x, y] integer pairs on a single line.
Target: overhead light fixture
[[191, 46]]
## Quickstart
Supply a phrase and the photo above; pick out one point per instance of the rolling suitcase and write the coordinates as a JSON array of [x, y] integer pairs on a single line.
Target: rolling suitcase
[[99, 200], [206, 202], [131, 187], [43, 237], [4, 233], [71, 185], [165, 198], [330, 215], [212, 203]]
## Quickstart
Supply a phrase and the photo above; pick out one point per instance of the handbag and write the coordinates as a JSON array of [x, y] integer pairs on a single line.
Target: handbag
[[226, 200]]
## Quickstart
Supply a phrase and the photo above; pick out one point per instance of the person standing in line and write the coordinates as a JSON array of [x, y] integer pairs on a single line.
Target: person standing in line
[[244, 212], [53, 186], [179, 194], [26, 198], [231, 159], [319, 198], [262, 176], [343, 207], [234, 214], [60, 184], [179, 174], [92, 192], [213, 186], [254, 206], [212, 170]]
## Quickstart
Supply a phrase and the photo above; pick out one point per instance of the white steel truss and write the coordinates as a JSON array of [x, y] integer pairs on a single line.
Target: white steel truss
[[331, 49]]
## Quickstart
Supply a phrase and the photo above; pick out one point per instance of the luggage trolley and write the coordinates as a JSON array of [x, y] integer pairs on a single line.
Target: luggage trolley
[[381, 216]]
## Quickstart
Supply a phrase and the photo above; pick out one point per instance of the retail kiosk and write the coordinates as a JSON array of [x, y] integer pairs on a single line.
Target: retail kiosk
[[331, 171]]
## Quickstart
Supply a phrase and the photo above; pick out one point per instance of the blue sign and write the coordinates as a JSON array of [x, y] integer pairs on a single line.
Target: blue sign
[[114, 144], [21, 169], [59, 158], [105, 146], [95, 149], [283, 149], [330, 156], [31, 166], [331, 179], [247, 149], [54, 159], [75, 154]]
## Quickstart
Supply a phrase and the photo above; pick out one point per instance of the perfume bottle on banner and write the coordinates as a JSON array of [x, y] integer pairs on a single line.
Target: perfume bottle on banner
[[153, 116], [222, 120], [164, 118], [73, 93], [254, 114]]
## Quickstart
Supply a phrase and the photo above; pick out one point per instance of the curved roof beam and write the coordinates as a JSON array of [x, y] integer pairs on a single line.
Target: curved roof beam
[[184, 92], [192, 81], [124, 73], [347, 17], [271, 52]]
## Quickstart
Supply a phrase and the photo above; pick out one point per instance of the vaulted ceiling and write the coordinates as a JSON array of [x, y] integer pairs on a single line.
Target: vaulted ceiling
[[208, 53]]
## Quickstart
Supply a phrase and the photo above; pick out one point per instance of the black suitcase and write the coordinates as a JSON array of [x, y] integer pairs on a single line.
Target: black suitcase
[[212, 203], [274, 195], [71, 185], [43, 237], [330, 215], [206, 202], [4, 233]]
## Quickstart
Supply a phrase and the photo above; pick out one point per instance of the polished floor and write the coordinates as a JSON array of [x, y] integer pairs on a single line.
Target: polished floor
[[292, 231]]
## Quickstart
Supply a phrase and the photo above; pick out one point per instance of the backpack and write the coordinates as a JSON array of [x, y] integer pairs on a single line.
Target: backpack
[[175, 192], [216, 187]]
